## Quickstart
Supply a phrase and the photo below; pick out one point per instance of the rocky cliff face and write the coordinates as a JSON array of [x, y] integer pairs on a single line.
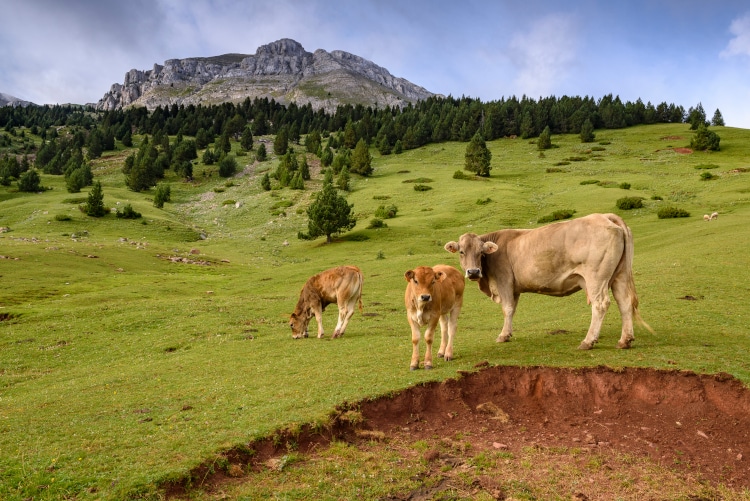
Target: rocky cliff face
[[281, 70]]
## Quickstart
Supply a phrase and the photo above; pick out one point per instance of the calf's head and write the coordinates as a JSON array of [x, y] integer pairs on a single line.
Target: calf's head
[[471, 248], [298, 321], [422, 280]]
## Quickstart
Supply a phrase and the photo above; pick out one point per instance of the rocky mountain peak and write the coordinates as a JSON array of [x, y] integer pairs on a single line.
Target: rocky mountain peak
[[282, 70]]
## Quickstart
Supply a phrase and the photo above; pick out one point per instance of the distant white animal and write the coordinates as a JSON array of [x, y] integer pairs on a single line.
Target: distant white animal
[[715, 215], [706, 217]]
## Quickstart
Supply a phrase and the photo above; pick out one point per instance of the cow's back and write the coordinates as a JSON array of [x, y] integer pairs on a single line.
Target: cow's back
[[450, 291]]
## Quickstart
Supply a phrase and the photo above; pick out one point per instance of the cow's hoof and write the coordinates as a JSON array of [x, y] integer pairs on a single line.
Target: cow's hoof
[[448, 359], [428, 367], [440, 355], [413, 367], [502, 339], [585, 346], [624, 345]]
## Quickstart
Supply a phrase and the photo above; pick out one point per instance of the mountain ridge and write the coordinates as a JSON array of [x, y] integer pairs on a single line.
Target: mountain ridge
[[282, 70]]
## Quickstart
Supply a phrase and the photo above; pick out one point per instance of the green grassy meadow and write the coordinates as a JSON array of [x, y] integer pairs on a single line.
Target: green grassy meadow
[[121, 369]]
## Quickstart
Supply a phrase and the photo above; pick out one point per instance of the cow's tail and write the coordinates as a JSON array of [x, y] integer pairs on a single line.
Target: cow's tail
[[626, 267], [361, 282]]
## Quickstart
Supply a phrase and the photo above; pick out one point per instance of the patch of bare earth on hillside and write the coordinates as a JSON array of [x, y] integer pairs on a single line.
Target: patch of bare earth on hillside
[[590, 429]]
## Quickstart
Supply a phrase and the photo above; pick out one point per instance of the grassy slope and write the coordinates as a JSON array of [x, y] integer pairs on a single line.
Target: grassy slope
[[123, 369]]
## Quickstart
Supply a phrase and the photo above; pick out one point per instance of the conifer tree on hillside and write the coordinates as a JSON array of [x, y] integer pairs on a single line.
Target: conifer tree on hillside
[[717, 120], [361, 162], [477, 157], [329, 214]]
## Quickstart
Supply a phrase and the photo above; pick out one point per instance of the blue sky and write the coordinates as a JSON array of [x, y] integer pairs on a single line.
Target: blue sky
[[679, 51]]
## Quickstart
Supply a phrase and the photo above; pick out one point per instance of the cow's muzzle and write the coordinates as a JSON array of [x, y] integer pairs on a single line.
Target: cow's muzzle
[[474, 273], [425, 298]]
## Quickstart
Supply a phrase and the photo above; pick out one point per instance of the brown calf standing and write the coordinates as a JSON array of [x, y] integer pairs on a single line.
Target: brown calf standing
[[341, 285], [432, 295]]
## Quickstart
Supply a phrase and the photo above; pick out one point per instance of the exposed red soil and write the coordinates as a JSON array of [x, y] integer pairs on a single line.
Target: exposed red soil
[[697, 424], [684, 151]]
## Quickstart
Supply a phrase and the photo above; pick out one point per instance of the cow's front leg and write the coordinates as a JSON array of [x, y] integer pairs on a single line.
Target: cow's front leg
[[319, 319], [415, 335], [509, 309], [444, 338], [428, 334]]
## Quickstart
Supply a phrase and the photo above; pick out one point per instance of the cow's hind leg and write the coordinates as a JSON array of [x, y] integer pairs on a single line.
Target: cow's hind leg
[[599, 305], [624, 299], [345, 314]]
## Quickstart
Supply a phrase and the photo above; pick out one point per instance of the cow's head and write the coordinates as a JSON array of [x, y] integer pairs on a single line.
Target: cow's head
[[299, 322], [471, 248], [423, 278]]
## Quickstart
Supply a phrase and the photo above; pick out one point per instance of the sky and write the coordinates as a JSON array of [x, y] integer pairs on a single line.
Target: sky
[[684, 52]]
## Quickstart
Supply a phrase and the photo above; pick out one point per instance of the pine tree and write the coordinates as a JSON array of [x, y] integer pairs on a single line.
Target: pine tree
[[545, 139], [265, 182], [717, 120], [247, 139], [281, 142], [261, 154], [361, 159], [587, 132], [478, 157], [343, 180], [94, 205], [328, 215]]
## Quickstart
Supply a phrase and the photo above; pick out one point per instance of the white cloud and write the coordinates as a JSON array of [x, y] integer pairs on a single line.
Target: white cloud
[[545, 54], [740, 44]]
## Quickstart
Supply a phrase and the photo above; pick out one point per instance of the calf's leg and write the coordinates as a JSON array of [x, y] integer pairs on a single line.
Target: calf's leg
[[415, 335]]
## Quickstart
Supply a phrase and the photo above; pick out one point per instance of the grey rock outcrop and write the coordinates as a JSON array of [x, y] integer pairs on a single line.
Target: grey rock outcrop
[[282, 70], [8, 100]]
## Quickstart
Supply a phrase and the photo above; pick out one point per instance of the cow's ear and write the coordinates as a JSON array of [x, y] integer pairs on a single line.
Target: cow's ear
[[489, 247], [439, 276], [409, 275], [452, 247], [293, 316]]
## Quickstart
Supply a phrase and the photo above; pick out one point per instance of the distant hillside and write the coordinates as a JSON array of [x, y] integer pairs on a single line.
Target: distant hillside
[[281, 70], [8, 100]]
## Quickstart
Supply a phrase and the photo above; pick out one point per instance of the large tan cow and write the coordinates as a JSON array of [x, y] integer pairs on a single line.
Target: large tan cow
[[593, 253], [432, 295], [341, 285]]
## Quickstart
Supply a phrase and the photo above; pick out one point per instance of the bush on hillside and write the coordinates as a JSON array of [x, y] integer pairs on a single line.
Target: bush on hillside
[[671, 212], [629, 203], [558, 215]]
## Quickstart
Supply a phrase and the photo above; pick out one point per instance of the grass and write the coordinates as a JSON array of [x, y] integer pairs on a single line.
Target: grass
[[121, 368]]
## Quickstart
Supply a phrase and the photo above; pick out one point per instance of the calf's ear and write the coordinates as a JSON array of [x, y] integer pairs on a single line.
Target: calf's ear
[[409, 275], [451, 247], [489, 247], [439, 276]]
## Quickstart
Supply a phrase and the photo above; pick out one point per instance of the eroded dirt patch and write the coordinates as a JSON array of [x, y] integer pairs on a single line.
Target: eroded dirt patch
[[696, 425]]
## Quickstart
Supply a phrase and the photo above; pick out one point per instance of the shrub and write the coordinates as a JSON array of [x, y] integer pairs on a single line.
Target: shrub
[[422, 187], [62, 217], [376, 223], [590, 181], [127, 212], [629, 203], [707, 176], [459, 174], [163, 194], [707, 166], [227, 166], [384, 212], [381, 197], [30, 182], [552, 170], [418, 180], [228, 202], [561, 163], [656, 197], [625, 186], [484, 201], [558, 215], [670, 212]]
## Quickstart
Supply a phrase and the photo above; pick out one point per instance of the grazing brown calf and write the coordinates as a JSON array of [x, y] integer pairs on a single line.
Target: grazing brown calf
[[341, 285], [593, 253], [432, 295]]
